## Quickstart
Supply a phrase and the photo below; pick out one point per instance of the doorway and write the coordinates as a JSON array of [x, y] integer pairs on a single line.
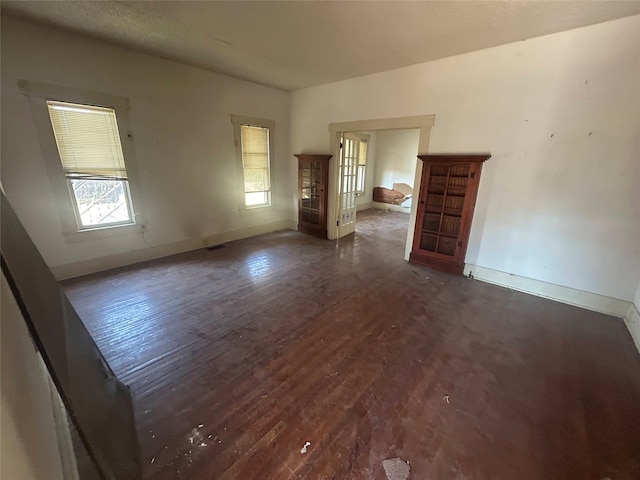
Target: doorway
[[343, 173]]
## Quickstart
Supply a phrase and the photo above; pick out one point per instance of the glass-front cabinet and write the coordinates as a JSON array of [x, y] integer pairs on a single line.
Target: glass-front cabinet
[[313, 183], [446, 202]]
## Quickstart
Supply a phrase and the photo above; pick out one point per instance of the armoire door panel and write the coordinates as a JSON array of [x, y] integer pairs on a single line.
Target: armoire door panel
[[313, 186], [445, 208]]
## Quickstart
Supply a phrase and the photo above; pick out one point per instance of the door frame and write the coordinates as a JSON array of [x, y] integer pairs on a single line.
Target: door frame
[[421, 122]]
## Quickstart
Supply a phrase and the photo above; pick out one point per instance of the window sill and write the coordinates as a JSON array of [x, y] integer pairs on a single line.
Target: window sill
[[249, 211], [101, 233]]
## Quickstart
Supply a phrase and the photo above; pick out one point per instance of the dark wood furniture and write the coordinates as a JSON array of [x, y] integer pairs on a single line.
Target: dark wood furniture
[[313, 185], [445, 208]]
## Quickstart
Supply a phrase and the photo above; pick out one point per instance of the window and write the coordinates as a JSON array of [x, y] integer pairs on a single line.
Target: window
[[358, 152], [79, 132], [254, 145], [362, 166], [255, 165], [93, 163]]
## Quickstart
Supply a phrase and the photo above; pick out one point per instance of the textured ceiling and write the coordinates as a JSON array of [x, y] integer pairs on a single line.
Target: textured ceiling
[[291, 45]]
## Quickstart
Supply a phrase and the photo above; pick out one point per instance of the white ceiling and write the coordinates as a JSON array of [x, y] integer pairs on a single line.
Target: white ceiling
[[297, 44]]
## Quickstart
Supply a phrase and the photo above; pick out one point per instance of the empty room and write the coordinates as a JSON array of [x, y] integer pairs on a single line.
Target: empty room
[[320, 240]]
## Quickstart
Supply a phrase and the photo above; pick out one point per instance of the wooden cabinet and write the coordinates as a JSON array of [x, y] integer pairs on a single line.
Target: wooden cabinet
[[445, 208], [313, 186]]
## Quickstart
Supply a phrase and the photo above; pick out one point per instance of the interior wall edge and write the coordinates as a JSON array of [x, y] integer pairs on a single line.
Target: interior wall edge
[[99, 264], [571, 296], [364, 206], [632, 321]]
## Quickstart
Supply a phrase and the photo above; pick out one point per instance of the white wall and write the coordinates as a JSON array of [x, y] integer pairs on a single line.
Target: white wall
[[29, 442], [559, 200], [396, 157], [182, 137]]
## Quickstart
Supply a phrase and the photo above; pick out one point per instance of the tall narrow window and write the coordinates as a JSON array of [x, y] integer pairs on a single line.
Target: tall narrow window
[[255, 165], [254, 146], [362, 166], [91, 154]]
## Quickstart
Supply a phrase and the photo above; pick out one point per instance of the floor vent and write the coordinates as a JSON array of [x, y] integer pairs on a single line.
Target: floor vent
[[216, 247]]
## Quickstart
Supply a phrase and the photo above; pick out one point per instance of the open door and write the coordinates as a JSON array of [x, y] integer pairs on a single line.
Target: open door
[[348, 165]]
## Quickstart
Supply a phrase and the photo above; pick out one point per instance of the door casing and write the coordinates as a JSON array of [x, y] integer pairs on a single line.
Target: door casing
[[422, 122]]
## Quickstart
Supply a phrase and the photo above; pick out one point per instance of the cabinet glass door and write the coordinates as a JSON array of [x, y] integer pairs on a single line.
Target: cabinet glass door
[[310, 192], [443, 208]]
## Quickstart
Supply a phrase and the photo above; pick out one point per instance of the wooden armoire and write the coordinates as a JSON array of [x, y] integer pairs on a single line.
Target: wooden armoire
[[446, 202], [313, 186]]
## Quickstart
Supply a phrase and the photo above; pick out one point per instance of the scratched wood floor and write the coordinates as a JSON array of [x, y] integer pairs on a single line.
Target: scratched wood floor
[[239, 356]]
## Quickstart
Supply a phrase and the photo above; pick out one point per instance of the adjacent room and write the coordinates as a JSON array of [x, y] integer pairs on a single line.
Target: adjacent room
[[303, 240]]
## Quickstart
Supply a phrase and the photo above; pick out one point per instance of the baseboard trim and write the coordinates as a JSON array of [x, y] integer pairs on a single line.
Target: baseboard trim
[[85, 267], [632, 320], [362, 206], [389, 206], [579, 298]]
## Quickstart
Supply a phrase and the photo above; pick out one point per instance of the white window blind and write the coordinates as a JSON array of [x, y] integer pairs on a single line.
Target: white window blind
[[255, 158], [88, 141], [93, 163]]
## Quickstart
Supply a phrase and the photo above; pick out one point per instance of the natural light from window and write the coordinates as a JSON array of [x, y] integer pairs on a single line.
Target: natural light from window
[[255, 165], [91, 154]]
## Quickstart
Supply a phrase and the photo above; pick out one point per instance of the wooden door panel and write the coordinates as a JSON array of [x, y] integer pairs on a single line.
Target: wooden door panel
[[445, 209]]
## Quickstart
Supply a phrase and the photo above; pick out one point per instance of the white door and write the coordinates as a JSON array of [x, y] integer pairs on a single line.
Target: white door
[[348, 170]]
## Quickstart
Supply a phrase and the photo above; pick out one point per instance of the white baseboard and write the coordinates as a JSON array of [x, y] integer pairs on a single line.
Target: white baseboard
[[590, 301], [389, 206], [362, 206], [632, 320], [76, 269]]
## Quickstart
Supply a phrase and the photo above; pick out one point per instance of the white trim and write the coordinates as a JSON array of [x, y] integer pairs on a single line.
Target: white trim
[[632, 321], [580, 298], [73, 95], [397, 123], [363, 206], [37, 95], [93, 265], [253, 121], [270, 125], [422, 122], [256, 210], [104, 232]]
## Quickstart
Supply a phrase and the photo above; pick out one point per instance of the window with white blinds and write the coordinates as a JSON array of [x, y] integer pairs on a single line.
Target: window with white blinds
[[255, 165], [362, 166], [92, 160]]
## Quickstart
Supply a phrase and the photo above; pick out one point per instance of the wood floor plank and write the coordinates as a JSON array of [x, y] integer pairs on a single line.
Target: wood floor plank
[[238, 356]]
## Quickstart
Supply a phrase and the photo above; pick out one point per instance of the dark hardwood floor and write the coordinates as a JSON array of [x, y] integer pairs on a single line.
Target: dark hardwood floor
[[239, 356]]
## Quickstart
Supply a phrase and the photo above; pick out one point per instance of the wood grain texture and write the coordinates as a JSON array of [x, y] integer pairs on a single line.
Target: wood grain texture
[[313, 187], [239, 356]]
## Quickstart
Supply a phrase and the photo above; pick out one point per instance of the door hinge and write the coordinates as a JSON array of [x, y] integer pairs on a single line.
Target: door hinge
[[473, 175], [337, 223], [460, 244]]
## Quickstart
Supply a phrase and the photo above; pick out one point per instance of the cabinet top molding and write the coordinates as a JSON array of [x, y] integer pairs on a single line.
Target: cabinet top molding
[[463, 157], [308, 156]]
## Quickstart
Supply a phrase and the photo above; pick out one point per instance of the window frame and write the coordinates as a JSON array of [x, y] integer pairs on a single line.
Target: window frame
[[70, 182], [362, 139], [239, 121], [38, 94]]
